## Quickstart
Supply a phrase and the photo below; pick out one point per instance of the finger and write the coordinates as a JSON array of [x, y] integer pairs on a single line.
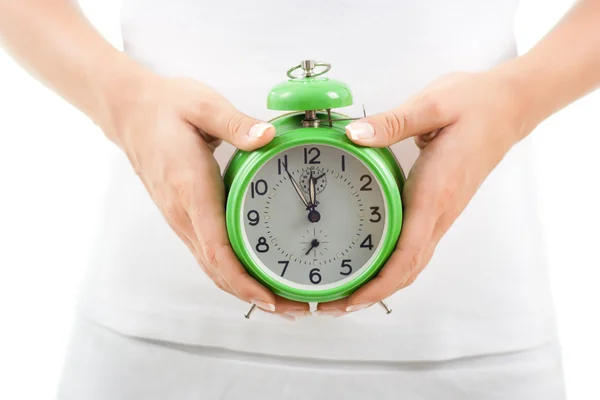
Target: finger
[[441, 227], [219, 118], [179, 221], [423, 140], [418, 116], [208, 220], [409, 280], [291, 308], [182, 227], [406, 260], [335, 308], [186, 239]]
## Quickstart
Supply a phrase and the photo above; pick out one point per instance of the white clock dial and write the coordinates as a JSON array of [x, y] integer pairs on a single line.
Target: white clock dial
[[314, 216]]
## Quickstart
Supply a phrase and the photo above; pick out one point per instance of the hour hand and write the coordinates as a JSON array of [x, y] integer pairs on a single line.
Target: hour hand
[[297, 188], [311, 190]]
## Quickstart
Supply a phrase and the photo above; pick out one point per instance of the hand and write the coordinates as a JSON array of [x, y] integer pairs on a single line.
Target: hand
[[297, 188], [169, 130], [464, 124]]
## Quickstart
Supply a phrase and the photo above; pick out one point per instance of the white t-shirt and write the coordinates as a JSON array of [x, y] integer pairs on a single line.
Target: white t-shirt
[[486, 289]]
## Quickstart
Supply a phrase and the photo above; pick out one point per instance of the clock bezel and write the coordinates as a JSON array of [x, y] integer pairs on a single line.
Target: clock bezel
[[244, 166], [256, 257]]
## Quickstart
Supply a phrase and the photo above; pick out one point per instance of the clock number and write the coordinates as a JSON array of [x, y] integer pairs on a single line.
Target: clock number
[[367, 243], [346, 264], [369, 180], [253, 217], [262, 246], [285, 265], [314, 276], [343, 163], [313, 160], [283, 164], [260, 187], [375, 211]]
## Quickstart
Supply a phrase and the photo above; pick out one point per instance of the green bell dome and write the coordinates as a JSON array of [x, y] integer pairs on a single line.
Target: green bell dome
[[309, 91]]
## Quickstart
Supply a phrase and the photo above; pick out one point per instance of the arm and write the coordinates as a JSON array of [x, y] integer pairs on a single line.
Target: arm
[[55, 43], [167, 127], [464, 124], [563, 66]]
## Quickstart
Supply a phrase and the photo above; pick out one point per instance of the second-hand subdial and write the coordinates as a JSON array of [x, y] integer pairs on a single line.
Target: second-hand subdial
[[314, 243], [319, 176]]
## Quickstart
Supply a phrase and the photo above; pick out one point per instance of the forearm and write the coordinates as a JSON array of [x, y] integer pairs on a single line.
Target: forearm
[[53, 40], [562, 67]]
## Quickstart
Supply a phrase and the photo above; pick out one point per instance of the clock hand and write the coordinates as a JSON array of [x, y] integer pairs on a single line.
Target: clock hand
[[311, 191], [297, 188], [314, 243]]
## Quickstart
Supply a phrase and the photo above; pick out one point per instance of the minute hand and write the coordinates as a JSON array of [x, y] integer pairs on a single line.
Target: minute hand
[[311, 191], [297, 188]]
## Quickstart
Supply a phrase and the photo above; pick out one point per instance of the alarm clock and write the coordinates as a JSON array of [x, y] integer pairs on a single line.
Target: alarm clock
[[311, 215]]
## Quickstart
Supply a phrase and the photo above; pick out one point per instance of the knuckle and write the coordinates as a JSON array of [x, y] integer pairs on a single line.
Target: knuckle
[[409, 281], [204, 107], [395, 123], [171, 211], [134, 160], [221, 284], [235, 123], [242, 291], [413, 262], [212, 255], [433, 106], [183, 189], [445, 196]]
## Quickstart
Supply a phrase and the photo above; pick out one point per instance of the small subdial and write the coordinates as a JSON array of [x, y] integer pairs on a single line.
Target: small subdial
[[318, 174], [314, 244]]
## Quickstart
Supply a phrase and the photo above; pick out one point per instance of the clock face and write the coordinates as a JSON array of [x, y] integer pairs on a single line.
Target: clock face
[[314, 217]]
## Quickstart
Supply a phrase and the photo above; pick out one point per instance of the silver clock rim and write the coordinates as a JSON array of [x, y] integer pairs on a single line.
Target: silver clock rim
[[319, 287]]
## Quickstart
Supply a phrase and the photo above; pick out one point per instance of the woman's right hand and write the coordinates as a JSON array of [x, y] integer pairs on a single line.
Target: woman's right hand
[[169, 129]]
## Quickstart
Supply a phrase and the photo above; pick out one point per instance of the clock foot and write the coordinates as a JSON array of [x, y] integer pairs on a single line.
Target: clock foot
[[385, 307], [382, 303], [250, 311]]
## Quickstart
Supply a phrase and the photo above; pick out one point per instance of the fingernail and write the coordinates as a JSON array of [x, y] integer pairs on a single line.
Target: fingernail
[[361, 130], [357, 307], [288, 317], [264, 305], [329, 313], [258, 130], [298, 313]]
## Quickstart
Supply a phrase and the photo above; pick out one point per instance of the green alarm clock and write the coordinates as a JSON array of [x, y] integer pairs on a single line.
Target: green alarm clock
[[311, 215]]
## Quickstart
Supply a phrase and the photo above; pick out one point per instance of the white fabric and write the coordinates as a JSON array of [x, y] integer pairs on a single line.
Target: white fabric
[[103, 365], [486, 289]]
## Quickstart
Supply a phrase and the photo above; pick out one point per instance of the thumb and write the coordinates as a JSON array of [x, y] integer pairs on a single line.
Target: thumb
[[416, 117], [225, 122]]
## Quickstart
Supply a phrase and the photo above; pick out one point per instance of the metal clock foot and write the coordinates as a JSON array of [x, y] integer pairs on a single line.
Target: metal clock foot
[[387, 309], [250, 311], [382, 303]]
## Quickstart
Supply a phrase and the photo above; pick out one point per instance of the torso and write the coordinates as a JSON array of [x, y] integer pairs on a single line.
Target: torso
[[485, 290]]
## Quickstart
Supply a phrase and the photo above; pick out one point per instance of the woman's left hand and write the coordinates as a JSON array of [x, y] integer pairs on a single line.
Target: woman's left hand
[[464, 124]]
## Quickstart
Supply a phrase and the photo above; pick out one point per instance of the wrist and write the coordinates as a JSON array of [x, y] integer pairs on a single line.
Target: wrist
[[529, 105], [119, 87]]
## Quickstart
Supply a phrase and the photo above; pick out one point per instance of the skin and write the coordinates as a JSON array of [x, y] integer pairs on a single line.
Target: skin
[[462, 130], [168, 128], [464, 124]]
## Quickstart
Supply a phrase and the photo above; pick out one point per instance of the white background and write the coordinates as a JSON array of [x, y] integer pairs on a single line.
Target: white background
[[53, 171]]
